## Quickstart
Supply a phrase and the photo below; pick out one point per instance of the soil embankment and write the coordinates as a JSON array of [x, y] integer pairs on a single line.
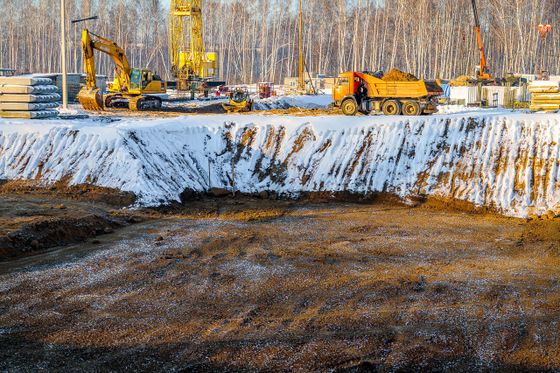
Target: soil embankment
[[34, 218]]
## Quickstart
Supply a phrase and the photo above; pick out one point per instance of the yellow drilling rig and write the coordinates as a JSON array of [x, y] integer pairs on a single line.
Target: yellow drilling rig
[[191, 66]]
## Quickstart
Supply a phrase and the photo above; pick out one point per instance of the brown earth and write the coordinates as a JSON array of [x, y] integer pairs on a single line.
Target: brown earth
[[171, 113], [398, 76], [298, 112], [266, 285], [34, 218]]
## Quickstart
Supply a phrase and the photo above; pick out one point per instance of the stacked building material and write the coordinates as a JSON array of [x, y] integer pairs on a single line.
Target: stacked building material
[[74, 82], [545, 95], [28, 97]]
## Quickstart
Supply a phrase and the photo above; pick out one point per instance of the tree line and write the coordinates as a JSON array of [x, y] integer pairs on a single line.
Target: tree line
[[256, 40]]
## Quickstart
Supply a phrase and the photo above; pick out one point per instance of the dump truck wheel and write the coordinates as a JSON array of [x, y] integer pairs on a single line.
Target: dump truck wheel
[[349, 107], [392, 107], [411, 108]]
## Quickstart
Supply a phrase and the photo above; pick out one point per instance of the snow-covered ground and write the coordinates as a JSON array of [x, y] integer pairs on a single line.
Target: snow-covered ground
[[491, 158], [286, 102]]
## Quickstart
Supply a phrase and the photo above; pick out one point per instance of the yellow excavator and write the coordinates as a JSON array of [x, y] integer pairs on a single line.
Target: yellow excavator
[[132, 88]]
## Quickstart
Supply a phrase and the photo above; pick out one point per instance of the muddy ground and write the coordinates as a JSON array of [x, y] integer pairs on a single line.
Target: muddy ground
[[34, 218], [261, 285], [173, 110]]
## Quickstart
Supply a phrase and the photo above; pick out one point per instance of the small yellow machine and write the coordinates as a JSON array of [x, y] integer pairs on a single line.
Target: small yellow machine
[[240, 101], [362, 92], [131, 88]]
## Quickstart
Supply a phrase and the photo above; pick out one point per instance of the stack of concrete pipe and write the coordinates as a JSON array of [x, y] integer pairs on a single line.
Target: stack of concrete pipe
[[28, 97]]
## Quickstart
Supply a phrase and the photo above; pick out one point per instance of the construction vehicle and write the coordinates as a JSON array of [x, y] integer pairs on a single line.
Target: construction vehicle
[[190, 64], [265, 89], [132, 88], [482, 73], [239, 101], [362, 92]]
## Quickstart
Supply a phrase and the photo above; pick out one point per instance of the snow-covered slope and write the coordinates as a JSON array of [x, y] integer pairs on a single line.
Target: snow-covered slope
[[497, 159]]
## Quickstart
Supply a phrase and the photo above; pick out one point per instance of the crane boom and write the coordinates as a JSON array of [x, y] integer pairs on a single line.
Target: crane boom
[[482, 74]]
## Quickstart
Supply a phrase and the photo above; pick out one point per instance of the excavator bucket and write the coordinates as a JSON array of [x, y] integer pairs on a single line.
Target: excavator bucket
[[91, 99]]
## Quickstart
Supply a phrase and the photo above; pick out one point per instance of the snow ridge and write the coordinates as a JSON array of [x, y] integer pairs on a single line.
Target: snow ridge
[[505, 161]]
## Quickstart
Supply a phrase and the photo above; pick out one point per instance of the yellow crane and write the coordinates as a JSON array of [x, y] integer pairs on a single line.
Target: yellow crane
[[189, 61], [131, 88]]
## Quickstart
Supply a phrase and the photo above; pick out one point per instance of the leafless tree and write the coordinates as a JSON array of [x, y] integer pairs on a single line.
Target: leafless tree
[[256, 40]]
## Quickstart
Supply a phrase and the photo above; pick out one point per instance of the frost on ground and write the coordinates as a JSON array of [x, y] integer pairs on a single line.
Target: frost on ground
[[304, 288], [496, 159]]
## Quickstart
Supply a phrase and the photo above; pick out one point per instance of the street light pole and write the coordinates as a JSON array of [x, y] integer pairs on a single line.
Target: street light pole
[[301, 63], [63, 53]]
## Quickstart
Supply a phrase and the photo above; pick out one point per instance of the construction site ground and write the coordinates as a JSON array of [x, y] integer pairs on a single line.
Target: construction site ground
[[200, 107], [246, 284], [178, 112]]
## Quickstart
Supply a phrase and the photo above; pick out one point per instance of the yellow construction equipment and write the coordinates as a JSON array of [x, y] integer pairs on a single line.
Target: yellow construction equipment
[[363, 92], [240, 101], [190, 64], [131, 88]]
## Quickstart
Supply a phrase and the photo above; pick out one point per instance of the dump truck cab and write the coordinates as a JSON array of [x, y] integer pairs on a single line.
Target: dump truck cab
[[363, 92], [345, 86]]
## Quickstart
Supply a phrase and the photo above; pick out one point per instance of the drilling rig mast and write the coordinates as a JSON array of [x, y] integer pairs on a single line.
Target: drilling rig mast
[[190, 64]]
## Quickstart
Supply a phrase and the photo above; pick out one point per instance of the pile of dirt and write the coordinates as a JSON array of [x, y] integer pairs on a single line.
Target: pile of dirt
[[399, 76], [62, 189], [461, 81], [43, 232], [32, 222]]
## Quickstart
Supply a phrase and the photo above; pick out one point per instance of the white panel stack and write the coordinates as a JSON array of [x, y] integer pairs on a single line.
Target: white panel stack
[[28, 97]]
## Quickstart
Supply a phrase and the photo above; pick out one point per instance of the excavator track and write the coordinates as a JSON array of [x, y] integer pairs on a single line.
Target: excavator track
[[141, 103]]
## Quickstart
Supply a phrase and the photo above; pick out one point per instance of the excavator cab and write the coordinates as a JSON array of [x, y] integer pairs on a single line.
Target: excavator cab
[[135, 81], [145, 82]]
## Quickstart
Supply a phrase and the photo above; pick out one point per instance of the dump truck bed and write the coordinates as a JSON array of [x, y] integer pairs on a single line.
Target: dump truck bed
[[378, 88]]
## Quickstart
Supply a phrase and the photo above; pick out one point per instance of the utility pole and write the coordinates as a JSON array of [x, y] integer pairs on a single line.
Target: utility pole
[[301, 65], [63, 53]]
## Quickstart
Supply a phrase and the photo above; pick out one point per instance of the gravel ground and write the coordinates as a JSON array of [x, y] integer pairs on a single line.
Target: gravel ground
[[253, 285]]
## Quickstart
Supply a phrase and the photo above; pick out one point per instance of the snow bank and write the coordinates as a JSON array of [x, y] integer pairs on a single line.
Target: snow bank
[[496, 159], [287, 102], [455, 109]]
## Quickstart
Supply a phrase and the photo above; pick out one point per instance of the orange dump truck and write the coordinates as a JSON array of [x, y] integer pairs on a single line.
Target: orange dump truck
[[362, 92]]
